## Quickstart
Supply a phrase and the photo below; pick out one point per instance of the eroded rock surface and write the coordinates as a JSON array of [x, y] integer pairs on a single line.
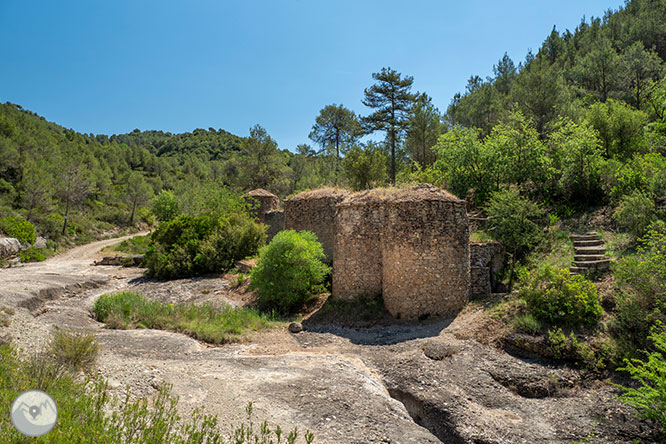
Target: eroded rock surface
[[402, 383]]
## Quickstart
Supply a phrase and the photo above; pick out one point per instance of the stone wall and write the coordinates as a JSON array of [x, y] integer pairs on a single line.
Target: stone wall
[[488, 258], [275, 221], [261, 202], [411, 245], [315, 211], [358, 250], [425, 254]]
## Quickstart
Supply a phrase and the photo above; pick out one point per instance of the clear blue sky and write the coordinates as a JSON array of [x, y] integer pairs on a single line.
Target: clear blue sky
[[111, 66]]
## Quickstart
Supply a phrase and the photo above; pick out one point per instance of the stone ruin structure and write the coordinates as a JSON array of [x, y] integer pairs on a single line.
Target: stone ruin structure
[[411, 245], [265, 206], [261, 202], [315, 211], [486, 262]]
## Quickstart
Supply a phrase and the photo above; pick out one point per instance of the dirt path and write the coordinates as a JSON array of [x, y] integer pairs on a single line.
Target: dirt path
[[418, 383]]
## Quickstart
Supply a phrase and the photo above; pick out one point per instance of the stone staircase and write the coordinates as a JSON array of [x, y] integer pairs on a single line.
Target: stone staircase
[[589, 253]]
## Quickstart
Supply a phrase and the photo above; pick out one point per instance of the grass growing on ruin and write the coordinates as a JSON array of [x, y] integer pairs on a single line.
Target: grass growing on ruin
[[204, 322]]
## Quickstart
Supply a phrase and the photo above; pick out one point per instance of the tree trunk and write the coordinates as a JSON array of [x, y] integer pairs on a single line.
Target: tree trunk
[[64, 226]]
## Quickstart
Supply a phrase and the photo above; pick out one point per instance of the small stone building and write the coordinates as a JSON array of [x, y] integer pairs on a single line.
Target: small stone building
[[315, 211], [486, 263], [261, 202], [411, 245]]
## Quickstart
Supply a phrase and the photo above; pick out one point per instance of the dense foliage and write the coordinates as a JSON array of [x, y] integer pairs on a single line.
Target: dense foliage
[[289, 271], [555, 296], [649, 397], [195, 245], [19, 228]]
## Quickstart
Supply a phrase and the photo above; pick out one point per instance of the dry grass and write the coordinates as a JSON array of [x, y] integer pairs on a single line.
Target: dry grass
[[320, 193], [400, 194]]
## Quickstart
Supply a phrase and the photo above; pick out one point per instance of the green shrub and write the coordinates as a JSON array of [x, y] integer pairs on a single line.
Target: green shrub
[[206, 323], [527, 323], [165, 206], [635, 213], [77, 351], [553, 295], [32, 254], [649, 398], [640, 297], [193, 246], [133, 245], [289, 271], [570, 348], [19, 228]]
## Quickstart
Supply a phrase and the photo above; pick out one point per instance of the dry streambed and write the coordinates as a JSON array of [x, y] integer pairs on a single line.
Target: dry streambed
[[390, 384]]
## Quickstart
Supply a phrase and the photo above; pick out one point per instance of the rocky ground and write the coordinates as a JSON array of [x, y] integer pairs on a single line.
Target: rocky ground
[[391, 383]]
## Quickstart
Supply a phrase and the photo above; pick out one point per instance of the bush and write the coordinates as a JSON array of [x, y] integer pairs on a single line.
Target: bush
[[193, 246], [32, 254], [289, 271], [165, 206], [553, 295], [19, 228], [77, 351], [650, 396], [205, 323], [635, 213], [527, 323], [640, 301]]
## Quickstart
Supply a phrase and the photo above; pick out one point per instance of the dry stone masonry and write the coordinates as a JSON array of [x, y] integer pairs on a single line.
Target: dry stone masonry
[[486, 262], [261, 202], [411, 245], [315, 211]]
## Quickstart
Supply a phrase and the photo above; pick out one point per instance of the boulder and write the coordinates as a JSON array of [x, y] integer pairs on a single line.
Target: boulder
[[40, 242], [295, 327], [9, 246]]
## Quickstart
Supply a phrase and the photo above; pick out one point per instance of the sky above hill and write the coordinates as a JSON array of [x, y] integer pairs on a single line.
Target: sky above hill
[[110, 67]]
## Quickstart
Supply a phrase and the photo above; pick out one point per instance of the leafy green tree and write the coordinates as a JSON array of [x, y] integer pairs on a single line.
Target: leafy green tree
[[505, 74], [519, 153], [538, 91], [577, 154], [365, 167], [165, 206], [36, 187], [514, 221], [138, 193], [260, 164], [619, 126], [336, 128], [481, 106], [639, 67], [424, 129], [392, 99], [465, 164], [635, 213], [74, 183], [599, 69]]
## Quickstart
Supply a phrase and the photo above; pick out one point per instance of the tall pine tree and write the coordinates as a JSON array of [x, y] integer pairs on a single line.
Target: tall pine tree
[[392, 99]]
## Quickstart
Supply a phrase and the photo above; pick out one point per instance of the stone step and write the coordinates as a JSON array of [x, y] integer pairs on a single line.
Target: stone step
[[577, 270], [589, 257], [583, 237], [590, 250], [599, 265], [588, 243]]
